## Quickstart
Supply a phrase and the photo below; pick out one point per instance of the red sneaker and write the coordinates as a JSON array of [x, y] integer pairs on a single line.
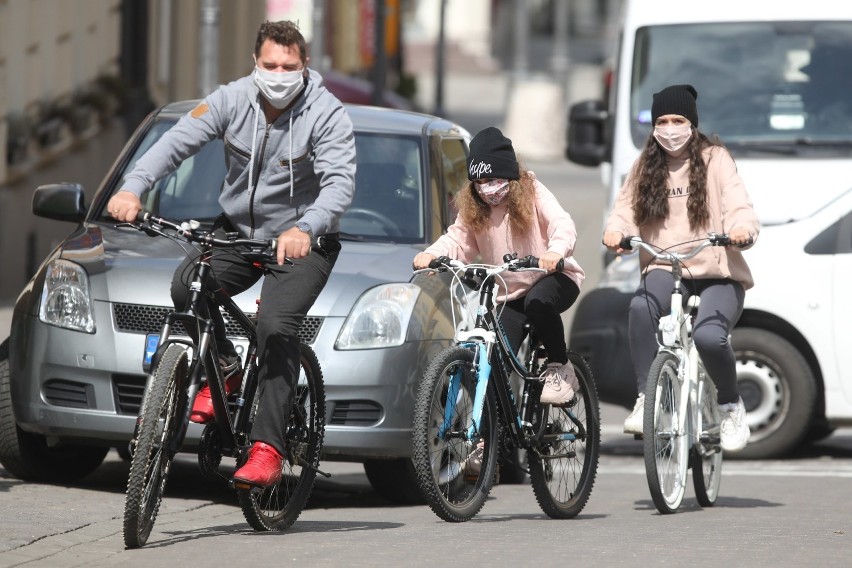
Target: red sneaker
[[263, 467], [202, 408]]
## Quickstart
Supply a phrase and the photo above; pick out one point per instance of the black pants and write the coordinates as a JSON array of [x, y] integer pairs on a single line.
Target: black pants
[[720, 308], [542, 306], [287, 294]]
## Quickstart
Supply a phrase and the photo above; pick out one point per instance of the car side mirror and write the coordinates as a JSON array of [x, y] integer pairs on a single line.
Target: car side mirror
[[60, 201], [585, 139]]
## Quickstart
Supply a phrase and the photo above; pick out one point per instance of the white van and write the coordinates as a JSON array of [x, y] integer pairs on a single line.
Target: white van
[[774, 82]]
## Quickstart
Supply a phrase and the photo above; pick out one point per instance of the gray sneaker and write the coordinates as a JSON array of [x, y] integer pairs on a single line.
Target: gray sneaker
[[734, 430], [634, 421], [560, 384]]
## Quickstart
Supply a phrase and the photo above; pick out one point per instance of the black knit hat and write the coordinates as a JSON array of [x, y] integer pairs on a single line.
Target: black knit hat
[[676, 99], [492, 156]]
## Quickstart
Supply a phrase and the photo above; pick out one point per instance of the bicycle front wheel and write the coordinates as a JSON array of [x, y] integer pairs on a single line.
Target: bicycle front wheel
[[454, 471], [276, 508], [707, 453], [564, 464], [666, 444], [159, 419]]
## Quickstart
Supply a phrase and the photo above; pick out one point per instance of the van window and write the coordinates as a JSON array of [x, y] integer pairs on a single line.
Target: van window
[[762, 86]]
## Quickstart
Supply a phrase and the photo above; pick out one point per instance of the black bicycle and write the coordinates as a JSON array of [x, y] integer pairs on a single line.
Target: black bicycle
[[466, 409], [178, 368]]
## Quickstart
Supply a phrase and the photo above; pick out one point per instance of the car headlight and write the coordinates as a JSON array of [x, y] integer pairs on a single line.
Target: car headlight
[[65, 298], [379, 318], [622, 274]]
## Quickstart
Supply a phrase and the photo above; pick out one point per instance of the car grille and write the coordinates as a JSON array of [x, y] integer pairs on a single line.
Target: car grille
[[136, 318], [128, 391], [355, 413]]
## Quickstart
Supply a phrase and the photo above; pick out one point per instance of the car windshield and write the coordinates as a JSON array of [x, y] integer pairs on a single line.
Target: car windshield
[[388, 204], [782, 87]]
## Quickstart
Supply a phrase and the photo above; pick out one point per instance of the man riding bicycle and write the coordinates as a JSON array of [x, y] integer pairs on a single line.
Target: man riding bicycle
[[290, 153]]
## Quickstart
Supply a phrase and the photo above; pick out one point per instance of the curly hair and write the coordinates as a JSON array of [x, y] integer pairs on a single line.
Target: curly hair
[[650, 201], [282, 33], [474, 212]]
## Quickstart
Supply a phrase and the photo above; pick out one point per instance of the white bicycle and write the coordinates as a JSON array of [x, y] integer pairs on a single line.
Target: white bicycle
[[682, 416]]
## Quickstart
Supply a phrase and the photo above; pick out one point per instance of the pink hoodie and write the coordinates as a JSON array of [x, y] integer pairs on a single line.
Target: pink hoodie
[[554, 231], [729, 205]]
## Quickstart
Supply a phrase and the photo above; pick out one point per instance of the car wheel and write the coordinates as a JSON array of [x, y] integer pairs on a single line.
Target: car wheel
[[395, 480], [778, 389], [27, 456]]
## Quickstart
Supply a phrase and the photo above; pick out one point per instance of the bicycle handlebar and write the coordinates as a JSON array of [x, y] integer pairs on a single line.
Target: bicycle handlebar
[[510, 262], [262, 251], [712, 240]]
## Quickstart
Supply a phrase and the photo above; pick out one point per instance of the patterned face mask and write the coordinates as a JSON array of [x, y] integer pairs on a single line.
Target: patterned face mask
[[493, 192]]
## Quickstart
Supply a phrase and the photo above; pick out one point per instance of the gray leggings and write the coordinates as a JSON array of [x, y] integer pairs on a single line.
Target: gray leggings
[[720, 308]]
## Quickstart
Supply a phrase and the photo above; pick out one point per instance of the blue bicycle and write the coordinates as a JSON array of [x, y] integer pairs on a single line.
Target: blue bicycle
[[467, 410]]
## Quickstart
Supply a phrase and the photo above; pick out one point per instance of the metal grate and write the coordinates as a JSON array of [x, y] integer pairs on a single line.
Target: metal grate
[[128, 391], [137, 318], [355, 413]]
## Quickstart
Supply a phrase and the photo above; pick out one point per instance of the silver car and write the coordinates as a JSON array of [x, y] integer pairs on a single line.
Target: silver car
[[71, 372]]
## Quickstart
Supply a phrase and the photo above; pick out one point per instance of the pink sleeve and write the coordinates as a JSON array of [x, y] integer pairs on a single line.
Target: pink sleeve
[[458, 243]]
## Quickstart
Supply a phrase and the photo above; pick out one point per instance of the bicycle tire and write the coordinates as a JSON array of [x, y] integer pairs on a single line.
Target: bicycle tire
[[666, 451], [454, 490], [707, 452], [276, 508], [563, 471], [159, 418]]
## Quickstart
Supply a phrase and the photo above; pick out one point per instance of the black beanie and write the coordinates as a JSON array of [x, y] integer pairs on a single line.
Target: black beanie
[[492, 156], [676, 99]]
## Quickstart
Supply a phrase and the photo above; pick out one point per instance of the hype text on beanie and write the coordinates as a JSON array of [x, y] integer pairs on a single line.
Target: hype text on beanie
[[492, 156]]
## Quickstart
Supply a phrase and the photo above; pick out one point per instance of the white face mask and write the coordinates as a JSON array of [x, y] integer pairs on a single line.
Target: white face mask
[[280, 89], [673, 138]]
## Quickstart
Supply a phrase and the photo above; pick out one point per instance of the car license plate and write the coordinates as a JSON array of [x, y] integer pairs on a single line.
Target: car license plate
[[152, 341]]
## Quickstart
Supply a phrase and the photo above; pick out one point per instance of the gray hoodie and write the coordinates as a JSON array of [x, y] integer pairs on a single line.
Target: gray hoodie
[[302, 165]]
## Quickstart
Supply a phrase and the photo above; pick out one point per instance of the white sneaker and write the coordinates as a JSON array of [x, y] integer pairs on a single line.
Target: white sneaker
[[635, 420], [734, 430], [560, 383]]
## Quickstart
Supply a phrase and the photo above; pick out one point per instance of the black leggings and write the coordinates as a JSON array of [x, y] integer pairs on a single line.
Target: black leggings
[[542, 306], [720, 308]]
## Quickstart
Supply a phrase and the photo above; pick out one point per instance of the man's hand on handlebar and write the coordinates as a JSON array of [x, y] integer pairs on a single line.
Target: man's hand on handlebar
[[293, 243], [124, 206]]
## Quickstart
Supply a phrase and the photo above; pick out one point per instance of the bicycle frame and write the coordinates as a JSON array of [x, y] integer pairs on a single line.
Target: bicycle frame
[[493, 355]]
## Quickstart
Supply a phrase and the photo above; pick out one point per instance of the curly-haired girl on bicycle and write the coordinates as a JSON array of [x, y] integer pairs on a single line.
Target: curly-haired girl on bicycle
[[682, 187], [505, 209]]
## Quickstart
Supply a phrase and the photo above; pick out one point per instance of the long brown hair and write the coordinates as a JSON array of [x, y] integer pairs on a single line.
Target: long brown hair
[[650, 200], [474, 212]]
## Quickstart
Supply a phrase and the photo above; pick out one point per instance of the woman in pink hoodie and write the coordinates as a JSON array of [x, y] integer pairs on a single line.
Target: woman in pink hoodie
[[682, 187], [505, 209]]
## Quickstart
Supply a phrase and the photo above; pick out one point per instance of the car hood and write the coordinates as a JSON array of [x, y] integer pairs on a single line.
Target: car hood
[[126, 266], [778, 188]]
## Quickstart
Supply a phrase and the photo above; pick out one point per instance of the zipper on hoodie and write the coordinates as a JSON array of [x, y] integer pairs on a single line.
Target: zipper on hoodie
[[257, 177]]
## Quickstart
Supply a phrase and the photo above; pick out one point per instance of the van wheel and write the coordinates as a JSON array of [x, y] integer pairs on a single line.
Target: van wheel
[[395, 480], [778, 389], [27, 456]]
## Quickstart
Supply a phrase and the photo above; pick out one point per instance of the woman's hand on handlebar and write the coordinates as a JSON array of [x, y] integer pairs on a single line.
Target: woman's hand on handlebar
[[740, 237], [549, 261], [422, 260], [612, 241], [293, 243], [124, 206]]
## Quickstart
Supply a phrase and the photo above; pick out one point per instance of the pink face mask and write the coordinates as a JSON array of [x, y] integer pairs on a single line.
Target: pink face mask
[[673, 138], [492, 192]]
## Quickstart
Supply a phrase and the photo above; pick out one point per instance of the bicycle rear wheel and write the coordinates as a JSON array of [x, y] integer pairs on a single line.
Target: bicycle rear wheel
[[276, 508], [707, 453], [564, 465], [454, 483], [666, 447], [159, 419]]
